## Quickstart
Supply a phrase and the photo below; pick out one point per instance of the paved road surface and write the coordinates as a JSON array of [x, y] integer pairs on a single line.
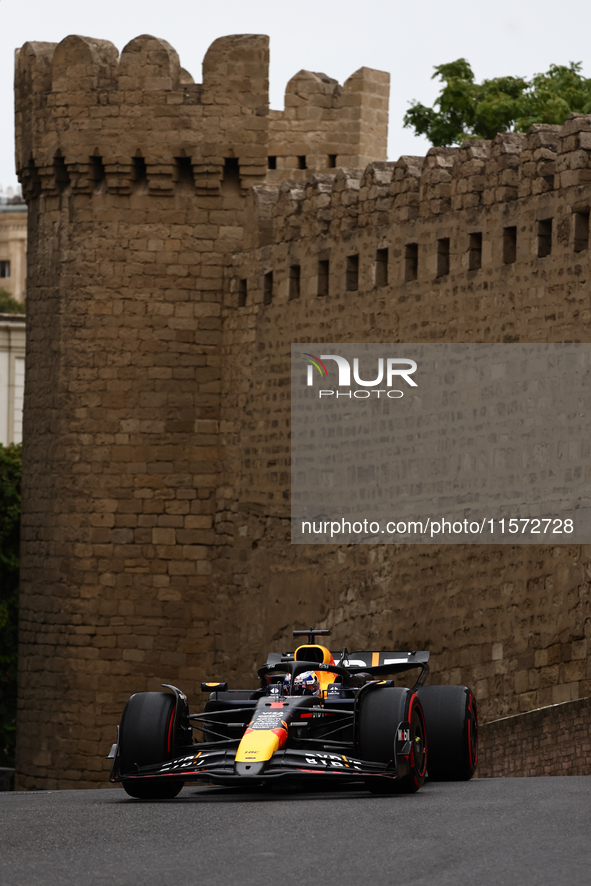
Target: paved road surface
[[516, 831]]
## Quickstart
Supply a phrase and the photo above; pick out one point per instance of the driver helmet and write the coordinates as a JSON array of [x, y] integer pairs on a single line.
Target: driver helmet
[[304, 684]]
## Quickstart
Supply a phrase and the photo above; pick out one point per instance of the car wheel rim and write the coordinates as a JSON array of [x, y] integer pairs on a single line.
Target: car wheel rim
[[417, 731]]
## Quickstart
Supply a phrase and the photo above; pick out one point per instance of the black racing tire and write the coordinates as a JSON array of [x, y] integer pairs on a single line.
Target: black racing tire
[[381, 712], [451, 717], [145, 738]]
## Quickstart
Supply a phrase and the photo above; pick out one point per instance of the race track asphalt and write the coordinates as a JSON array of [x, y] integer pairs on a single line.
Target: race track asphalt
[[517, 831]]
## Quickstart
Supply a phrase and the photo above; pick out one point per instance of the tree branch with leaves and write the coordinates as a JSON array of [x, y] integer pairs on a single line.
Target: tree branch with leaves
[[465, 109]]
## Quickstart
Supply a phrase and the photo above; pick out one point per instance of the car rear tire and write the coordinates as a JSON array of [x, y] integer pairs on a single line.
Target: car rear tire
[[381, 712], [145, 738], [451, 717]]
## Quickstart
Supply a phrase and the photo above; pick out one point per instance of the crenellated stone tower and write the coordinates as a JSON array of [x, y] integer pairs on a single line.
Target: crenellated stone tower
[[136, 177], [181, 237]]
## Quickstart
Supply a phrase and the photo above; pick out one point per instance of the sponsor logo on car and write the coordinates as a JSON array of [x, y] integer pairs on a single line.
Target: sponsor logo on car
[[336, 761], [191, 762]]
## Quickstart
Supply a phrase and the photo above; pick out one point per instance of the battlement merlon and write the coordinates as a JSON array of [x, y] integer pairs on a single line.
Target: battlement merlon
[[478, 174], [329, 124], [80, 99]]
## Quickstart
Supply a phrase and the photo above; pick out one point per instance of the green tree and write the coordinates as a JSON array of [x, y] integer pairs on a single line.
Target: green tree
[[10, 511], [466, 109], [9, 304]]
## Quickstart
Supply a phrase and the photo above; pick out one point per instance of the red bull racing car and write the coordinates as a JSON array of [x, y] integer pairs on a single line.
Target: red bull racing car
[[316, 716]]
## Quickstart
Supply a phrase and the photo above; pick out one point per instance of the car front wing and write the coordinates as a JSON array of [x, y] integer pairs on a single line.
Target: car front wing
[[218, 766]]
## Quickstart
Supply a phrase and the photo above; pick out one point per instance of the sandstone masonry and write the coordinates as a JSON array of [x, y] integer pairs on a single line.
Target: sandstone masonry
[[555, 740], [180, 238]]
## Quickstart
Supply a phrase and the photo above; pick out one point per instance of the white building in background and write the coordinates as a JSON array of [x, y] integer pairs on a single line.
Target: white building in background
[[12, 377], [13, 244], [13, 263]]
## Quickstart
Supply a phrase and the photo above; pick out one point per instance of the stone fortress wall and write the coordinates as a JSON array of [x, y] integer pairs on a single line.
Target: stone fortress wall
[[163, 295], [484, 243]]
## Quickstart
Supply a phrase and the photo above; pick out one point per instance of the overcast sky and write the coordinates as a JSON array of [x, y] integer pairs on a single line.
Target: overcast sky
[[519, 37]]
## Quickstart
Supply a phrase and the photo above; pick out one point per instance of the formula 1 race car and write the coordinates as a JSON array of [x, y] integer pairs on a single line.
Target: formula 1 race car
[[317, 716]]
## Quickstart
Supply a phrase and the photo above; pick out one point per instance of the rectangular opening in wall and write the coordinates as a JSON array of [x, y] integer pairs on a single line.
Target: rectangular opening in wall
[[475, 251], [60, 170], [411, 261], [242, 293], [332, 161], [581, 230], [302, 162], [382, 267], [271, 162], [323, 269], [140, 176], [33, 178], [352, 273], [98, 175], [268, 288], [294, 281], [231, 177], [443, 257], [544, 237], [509, 244], [4, 269], [184, 173]]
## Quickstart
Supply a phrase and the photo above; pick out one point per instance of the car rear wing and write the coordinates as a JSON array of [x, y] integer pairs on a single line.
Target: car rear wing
[[361, 659], [368, 660], [354, 662], [372, 664]]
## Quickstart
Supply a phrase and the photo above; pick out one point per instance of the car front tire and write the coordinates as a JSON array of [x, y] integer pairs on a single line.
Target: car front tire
[[146, 738], [381, 712]]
